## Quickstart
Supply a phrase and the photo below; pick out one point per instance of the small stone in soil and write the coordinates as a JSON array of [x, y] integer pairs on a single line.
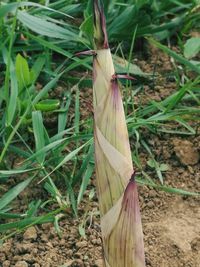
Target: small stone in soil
[[2, 256], [21, 264], [30, 234], [78, 255], [186, 152], [29, 258], [69, 263], [81, 244], [99, 263], [98, 241], [23, 248], [17, 258], [6, 263], [150, 204], [79, 262]]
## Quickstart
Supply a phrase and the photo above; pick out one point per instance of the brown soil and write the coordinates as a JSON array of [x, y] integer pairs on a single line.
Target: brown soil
[[171, 223]]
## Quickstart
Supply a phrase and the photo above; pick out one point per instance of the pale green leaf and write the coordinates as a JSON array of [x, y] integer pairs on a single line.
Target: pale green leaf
[[22, 72], [192, 47], [38, 130], [48, 105], [44, 27]]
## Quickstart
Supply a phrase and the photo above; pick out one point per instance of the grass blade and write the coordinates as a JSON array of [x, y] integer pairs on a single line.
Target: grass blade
[[14, 192], [13, 96], [38, 130], [63, 116], [67, 158], [85, 181], [176, 56], [7, 173], [46, 28], [167, 189]]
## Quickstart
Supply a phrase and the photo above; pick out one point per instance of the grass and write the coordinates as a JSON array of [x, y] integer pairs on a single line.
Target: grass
[[37, 45]]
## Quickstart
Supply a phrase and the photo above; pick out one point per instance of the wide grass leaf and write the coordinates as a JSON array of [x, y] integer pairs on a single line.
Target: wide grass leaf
[[12, 7], [121, 66], [13, 95], [122, 22], [192, 47], [26, 222], [22, 72], [14, 192], [38, 130], [8, 8], [6, 215], [46, 28]]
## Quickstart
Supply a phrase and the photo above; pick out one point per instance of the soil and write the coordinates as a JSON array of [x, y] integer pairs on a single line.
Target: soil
[[171, 223]]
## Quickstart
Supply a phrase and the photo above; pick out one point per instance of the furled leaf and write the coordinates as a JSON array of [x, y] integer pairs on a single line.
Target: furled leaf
[[22, 71], [48, 105]]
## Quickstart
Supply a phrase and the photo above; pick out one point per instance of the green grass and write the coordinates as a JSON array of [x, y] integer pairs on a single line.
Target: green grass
[[37, 47]]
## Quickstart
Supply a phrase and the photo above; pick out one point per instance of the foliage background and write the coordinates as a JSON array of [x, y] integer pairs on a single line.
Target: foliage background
[[45, 139]]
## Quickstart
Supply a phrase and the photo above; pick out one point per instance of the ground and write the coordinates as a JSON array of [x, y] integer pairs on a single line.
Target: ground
[[171, 223]]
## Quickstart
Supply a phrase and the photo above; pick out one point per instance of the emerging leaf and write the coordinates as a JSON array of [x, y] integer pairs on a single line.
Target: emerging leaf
[[22, 71]]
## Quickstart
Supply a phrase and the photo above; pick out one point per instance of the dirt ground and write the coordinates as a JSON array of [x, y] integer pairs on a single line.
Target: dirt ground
[[171, 223]]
